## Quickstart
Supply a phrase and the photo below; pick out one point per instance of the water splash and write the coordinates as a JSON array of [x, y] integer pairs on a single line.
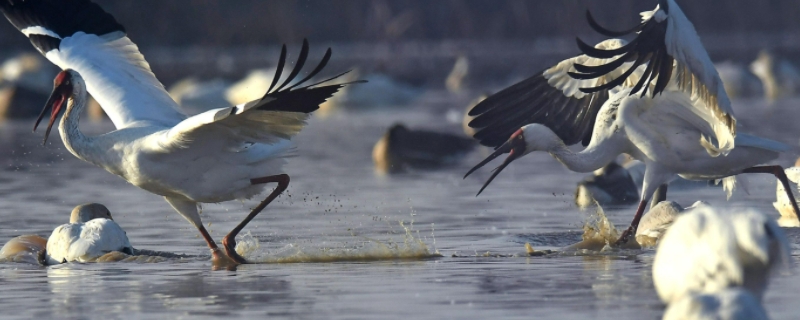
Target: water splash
[[598, 234], [366, 249]]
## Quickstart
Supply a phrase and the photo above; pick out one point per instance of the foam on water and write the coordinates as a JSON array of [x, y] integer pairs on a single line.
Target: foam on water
[[366, 249]]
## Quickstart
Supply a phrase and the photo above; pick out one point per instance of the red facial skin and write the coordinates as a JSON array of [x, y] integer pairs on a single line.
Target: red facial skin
[[62, 90]]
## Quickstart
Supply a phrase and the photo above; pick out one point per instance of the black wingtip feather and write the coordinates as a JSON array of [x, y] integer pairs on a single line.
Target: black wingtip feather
[[301, 60], [279, 70], [664, 74], [648, 47], [304, 99], [533, 100], [64, 18], [603, 68], [609, 33], [316, 70], [598, 53]]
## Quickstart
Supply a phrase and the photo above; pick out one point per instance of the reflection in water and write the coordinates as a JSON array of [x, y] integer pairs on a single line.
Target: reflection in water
[[611, 281], [79, 291], [84, 290]]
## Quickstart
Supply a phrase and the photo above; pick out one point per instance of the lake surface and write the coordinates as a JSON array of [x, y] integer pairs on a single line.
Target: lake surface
[[338, 205]]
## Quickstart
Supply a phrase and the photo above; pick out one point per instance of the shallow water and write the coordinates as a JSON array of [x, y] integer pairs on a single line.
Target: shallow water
[[337, 204]]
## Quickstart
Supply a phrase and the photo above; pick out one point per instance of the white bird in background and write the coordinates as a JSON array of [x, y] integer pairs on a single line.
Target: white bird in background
[[250, 87], [738, 80], [728, 304], [600, 99], [90, 233], [779, 77], [465, 120], [782, 203], [706, 251], [220, 155], [195, 96], [455, 80]]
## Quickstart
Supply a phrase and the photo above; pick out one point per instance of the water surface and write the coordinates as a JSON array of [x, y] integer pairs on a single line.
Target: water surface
[[337, 202]]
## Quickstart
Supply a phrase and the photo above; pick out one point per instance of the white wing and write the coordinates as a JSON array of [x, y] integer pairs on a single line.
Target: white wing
[[79, 35], [695, 74], [552, 98], [59, 242], [565, 77], [119, 78], [232, 128], [669, 121], [668, 45], [98, 237], [276, 117]]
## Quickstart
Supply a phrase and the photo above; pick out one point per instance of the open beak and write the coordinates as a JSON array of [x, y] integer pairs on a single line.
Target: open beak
[[515, 147], [57, 102]]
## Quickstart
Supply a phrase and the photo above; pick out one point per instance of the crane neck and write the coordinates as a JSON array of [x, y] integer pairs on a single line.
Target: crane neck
[[76, 142], [594, 157]]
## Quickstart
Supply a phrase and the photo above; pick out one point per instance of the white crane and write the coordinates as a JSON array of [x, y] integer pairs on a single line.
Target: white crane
[[728, 304], [685, 127], [220, 155], [709, 252], [90, 233]]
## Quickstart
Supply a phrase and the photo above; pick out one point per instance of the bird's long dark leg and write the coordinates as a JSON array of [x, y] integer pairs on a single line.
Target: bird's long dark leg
[[211, 244], [229, 242], [659, 195], [781, 175], [631, 231]]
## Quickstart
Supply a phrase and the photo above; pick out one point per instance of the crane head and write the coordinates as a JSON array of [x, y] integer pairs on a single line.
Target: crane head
[[516, 147], [62, 91]]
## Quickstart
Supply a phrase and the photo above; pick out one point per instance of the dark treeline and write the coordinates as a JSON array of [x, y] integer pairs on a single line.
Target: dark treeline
[[258, 22]]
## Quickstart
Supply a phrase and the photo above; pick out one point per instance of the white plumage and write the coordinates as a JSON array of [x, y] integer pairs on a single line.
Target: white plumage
[[657, 98], [728, 304], [779, 77], [222, 154], [666, 45], [90, 234], [707, 251], [118, 77], [657, 221], [663, 132]]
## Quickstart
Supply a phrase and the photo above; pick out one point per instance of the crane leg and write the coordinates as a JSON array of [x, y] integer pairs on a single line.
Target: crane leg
[[631, 231], [659, 195], [229, 242], [220, 259], [778, 172]]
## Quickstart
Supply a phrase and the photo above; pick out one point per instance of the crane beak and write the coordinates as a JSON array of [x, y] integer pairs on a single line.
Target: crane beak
[[57, 102], [515, 147]]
